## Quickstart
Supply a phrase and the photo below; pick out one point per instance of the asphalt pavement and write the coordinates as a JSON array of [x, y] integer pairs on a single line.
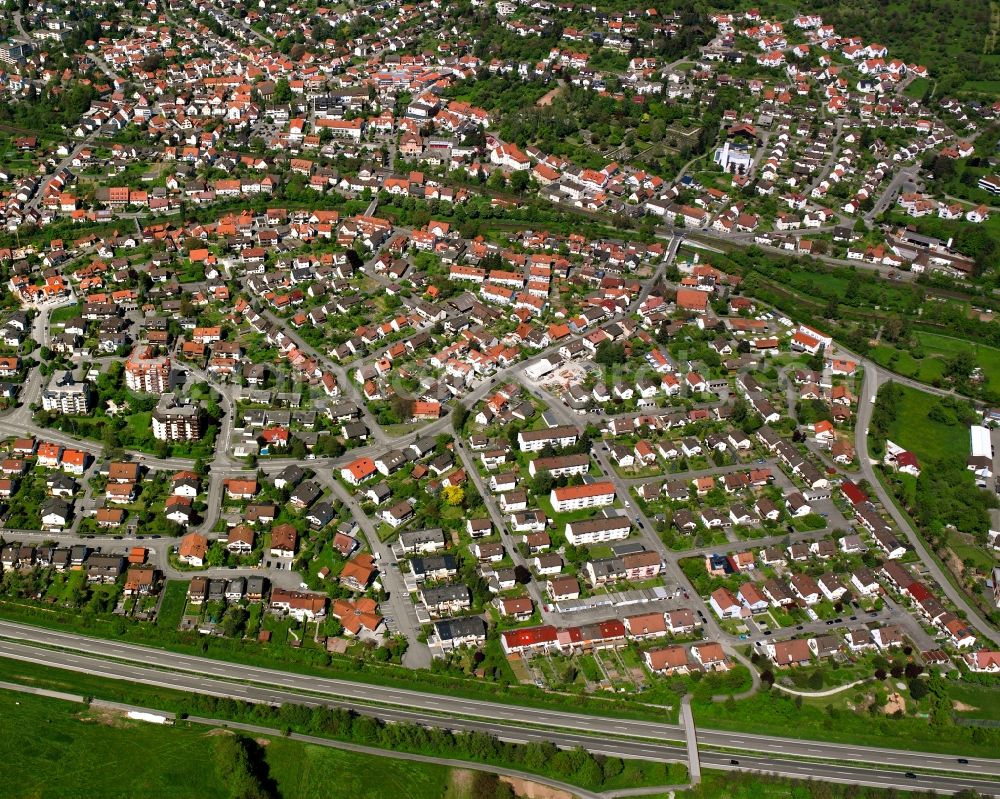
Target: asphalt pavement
[[873, 379], [597, 740], [253, 680]]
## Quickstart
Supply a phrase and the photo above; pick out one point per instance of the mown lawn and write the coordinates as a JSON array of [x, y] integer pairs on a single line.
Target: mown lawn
[[916, 89]]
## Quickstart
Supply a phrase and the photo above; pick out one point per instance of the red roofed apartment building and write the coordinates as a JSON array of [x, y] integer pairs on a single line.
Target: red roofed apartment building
[[808, 339], [592, 495], [532, 639], [692, 300], [147, 372]]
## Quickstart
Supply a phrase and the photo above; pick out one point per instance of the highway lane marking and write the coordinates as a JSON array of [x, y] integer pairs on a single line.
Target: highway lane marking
[[502, 732], [407, 698], [633, 726]]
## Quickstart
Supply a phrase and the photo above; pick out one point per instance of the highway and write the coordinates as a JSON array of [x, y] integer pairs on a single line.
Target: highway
[[599, 741], [268, 685]]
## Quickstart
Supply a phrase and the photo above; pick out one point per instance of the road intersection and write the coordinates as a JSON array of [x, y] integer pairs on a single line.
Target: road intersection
[[101, 657]]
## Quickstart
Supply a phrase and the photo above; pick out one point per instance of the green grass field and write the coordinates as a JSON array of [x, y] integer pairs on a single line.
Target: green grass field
[[304, 771], [988, 358], [928, 439], [926, 370], [64, 314], [979, 557], [916, 89], [174, 600], [53, 748], [983, 702], [773, 713], [40, 676], [987, 86], [635, 773], [937, 349], [744, 785]]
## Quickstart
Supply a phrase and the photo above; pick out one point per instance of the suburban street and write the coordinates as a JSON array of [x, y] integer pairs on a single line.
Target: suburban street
[[493, 371], [401, 610], [874, 378]]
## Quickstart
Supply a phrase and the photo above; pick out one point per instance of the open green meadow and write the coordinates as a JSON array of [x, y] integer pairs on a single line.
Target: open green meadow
[[928, 438], [988, 358], [305, 771], [53, 748], [917, 88], [936, 350]]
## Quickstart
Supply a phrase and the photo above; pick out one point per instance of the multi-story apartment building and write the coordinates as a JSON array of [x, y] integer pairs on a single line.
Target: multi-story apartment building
[[561, 465], [14, 52], [534, 440], [147, 372], [591, 495], [174, 420], [66, 395], [598, 530]]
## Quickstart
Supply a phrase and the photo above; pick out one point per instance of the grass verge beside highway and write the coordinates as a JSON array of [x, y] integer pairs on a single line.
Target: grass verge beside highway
[[775, 713], [50, 747], [316, 662], [569, 766], [740, 785]]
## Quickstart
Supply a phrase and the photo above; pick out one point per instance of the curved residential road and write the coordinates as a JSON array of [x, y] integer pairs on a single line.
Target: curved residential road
[[869, 390], [885, 375], [109, 657]]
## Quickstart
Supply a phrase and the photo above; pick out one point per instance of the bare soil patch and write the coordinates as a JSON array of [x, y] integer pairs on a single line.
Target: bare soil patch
[[534, 790], [894, 703], [547, 98]]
